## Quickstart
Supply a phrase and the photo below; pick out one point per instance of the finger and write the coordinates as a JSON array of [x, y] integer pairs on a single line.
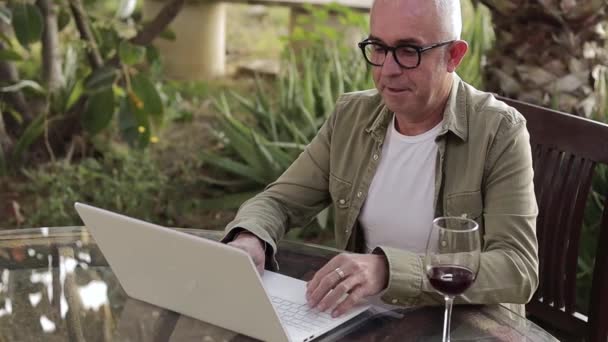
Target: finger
[[355, 297], [330, 281], [323, 272], [338, 293], [259, 261]]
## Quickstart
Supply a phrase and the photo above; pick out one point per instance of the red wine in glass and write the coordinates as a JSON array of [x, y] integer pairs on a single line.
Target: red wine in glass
[[451, 280]]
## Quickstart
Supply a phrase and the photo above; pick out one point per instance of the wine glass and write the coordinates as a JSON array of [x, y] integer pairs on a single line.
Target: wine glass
[[452, 260]]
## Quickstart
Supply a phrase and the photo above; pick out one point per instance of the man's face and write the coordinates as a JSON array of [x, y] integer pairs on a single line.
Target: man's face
[[410, 92]]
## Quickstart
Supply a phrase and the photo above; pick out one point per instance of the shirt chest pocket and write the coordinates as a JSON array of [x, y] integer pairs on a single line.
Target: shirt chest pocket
[[340, 191], [465, 204]]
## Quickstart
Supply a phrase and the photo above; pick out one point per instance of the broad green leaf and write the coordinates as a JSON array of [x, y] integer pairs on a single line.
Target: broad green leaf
[[238, 135], [240, 138], [21, 85], [288, 145], [14, 115], [6, 40], [108, 39], [147, 93], [283, 158], [131, 54], [127, 123], [6, 15], [27, 23], [119, 91], [133, 125], [101, 79], [168, 35], [70, 67], [9, 55], [98, 111], [32, 132], [152, 54], [263, 150], [234, 167], [63, 19], [75, 94]]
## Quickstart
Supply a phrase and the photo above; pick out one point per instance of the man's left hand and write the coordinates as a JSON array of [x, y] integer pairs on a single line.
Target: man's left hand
[[358, 275]]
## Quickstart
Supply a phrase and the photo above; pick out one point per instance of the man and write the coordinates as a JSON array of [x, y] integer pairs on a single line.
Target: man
[[422, 144]]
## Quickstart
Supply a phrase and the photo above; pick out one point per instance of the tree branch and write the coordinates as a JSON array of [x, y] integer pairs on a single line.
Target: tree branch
[[82, 23], [159, 23], [154, 28], [51, 57]]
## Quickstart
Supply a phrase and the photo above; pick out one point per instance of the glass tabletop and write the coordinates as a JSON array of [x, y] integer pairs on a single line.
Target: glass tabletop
[[55, 285]]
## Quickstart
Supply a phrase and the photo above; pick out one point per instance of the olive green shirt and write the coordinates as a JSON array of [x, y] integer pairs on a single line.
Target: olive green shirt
[[483, 172]]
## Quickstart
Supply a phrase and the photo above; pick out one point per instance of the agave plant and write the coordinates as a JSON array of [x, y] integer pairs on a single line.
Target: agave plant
[[546, 52], [283, 119]]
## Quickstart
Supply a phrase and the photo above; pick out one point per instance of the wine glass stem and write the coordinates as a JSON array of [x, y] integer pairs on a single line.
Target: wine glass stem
[[447, 318]]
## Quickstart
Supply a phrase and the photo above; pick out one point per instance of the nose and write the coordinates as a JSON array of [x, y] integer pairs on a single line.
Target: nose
[[390, 67]]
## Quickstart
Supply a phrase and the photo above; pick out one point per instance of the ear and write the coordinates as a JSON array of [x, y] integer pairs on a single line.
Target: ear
[[456, 52]]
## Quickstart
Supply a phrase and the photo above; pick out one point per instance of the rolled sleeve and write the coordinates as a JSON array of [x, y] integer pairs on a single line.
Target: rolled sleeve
[[406, 276]]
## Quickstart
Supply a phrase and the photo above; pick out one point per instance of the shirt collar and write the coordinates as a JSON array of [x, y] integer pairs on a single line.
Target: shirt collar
[[455, 117]]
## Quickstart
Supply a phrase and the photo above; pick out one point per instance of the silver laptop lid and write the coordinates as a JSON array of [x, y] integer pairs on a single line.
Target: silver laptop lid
[[200, 278]]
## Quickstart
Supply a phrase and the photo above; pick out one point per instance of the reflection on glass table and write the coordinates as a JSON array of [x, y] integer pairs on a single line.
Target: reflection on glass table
[[55, 285]]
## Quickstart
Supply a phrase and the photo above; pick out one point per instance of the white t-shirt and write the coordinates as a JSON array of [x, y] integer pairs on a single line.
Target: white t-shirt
[[398, 211]]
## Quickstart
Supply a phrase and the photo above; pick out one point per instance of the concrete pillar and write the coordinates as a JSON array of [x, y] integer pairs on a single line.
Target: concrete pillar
[[199, 51]]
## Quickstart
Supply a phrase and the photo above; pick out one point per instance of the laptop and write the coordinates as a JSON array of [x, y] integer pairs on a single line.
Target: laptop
[[204, 279]]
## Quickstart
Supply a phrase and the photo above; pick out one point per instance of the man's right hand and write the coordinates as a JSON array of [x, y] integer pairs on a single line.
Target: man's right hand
[[253, 246]]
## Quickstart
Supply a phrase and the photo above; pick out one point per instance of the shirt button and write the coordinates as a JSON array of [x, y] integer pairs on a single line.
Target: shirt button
[[375, 156], [342, 201], [359, 194], [444, 243], [346, 231], [394, 301]]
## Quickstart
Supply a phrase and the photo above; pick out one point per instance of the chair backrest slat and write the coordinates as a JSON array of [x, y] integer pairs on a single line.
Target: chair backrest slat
[[565, 152], [575, 224], [598, 310]]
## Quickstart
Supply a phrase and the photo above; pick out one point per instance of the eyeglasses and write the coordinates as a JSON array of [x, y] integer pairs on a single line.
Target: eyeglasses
[[407, 56]]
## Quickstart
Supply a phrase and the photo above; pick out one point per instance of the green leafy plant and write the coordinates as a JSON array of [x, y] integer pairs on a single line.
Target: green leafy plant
[[131, 181], [79, 75], [478, 32]]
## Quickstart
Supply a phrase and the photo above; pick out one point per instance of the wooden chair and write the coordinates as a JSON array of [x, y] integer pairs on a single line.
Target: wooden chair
[[565, 151]]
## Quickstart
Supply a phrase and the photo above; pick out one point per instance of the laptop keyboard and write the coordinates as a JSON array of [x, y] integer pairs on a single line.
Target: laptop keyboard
[[300, 316]]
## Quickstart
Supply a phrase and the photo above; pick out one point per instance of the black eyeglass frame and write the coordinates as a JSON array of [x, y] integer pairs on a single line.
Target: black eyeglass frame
[[392, 49]]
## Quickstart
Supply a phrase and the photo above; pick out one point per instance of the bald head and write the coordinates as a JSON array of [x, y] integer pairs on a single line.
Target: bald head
[[444, 13], [450, 17]]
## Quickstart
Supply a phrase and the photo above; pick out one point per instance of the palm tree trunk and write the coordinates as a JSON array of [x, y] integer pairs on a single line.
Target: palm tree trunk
[[546, 52]]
